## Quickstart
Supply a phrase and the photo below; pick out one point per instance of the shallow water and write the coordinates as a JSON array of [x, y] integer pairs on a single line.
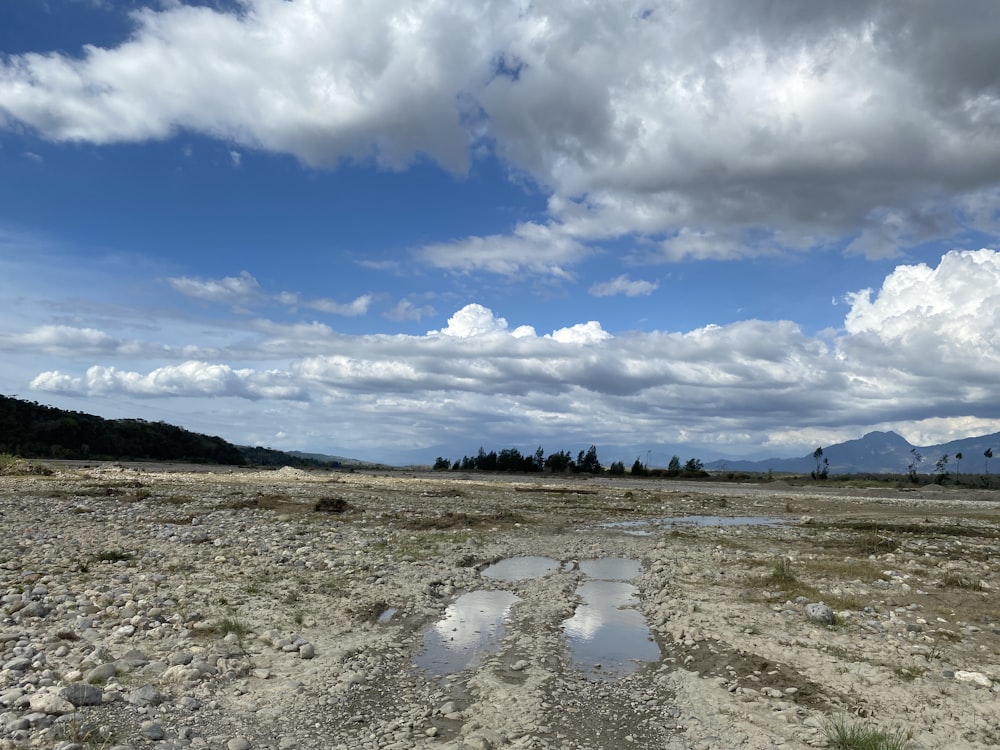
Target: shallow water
[[472, 627], [611, 568], [607, 637], [521, 568]]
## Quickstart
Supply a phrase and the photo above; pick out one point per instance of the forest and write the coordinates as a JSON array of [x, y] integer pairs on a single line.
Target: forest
[[32, 430]]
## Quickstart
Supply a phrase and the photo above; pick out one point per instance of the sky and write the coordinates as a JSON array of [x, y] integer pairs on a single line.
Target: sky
[[393, 231]]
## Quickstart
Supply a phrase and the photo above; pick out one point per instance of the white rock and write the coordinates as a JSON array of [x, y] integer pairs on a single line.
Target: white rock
[[976, 678]]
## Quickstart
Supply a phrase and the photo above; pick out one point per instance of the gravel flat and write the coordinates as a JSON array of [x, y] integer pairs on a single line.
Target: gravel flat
[[145, 606]]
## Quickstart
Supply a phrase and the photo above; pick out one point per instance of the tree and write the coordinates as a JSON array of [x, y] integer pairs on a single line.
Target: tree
[[442, 464], [674, 467], [616, 469], [694, 466], [911, 468], [638, 470], [941, 469], [539, 459], [559, 462], [587, 462], [822, 465], [958, 464], [989, 454]]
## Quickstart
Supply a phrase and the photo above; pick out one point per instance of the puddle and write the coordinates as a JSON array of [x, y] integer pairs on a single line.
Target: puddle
[[609, 639], [611, 568], [647, 527], [521, 568], [472, 626]]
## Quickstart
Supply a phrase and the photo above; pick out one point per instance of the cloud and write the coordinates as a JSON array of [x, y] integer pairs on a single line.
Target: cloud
[[358, 306], [63, 340], [472, 320], [530, 247], [241, 289], [714, 132], [406, 310], [190, 378], [623, 285], [921, 354]]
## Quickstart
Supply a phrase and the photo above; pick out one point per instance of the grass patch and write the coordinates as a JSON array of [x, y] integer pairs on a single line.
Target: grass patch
[[13, 466], [843, 734], [113, 555], [233, 625], [957, 581], [331, 505], [464, 520]]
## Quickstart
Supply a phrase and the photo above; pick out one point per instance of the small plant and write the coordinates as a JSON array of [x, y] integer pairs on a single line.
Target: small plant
[[113, 555], [781, 573], [232, 625], [843, 734], [956, 581]]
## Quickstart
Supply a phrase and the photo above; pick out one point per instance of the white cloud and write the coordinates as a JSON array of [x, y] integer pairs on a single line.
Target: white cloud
[[623, 285], [543, 249], [407, 310], [241, 289], [190, 378], [919, 355], [472, 320], [717, 131], [354, 308]]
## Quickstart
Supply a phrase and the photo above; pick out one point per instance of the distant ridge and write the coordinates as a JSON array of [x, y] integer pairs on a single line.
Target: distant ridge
[[33, 430], [879, 453]]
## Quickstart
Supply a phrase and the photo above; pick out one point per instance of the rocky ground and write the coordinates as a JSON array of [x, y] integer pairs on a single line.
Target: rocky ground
[[146, 608]]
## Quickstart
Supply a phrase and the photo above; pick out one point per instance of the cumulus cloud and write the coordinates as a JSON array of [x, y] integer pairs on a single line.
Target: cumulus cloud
[[921, 353], [715, 131], [190, 378], [63, 340], [623, 285], [472, 320]]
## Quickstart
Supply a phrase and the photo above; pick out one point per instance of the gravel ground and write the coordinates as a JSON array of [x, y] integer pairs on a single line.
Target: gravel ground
[[144, 606]]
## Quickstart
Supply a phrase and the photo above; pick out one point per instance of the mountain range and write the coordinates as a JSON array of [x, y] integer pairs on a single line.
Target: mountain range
[[882, 453]]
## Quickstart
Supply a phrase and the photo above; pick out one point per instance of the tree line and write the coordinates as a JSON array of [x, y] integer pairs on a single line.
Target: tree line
[[562, 462], [33, 430]]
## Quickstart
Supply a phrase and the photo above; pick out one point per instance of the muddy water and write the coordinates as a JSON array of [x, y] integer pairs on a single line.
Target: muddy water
[[647, 527]]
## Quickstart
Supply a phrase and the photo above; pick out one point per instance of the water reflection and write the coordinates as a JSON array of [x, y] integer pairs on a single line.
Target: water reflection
[[607, 637], [521, 568], [611, 568], [471, 627]]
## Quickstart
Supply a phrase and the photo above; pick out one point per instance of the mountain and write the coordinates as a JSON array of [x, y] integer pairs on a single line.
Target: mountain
[[879, 453]]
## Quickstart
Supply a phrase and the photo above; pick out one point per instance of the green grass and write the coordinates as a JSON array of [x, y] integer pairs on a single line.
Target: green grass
[[843, 734]]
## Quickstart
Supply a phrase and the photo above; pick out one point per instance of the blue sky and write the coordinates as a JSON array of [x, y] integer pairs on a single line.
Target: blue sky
[[396, 232]]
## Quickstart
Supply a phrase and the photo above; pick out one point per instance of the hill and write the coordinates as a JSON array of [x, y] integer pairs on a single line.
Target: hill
[[33, 430], [880, 453]]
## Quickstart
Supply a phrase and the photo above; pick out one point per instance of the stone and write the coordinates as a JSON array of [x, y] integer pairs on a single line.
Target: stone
[[819, 613], [976, 678], [147, 695], [50, 703], [238, 743], [80, 694]]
